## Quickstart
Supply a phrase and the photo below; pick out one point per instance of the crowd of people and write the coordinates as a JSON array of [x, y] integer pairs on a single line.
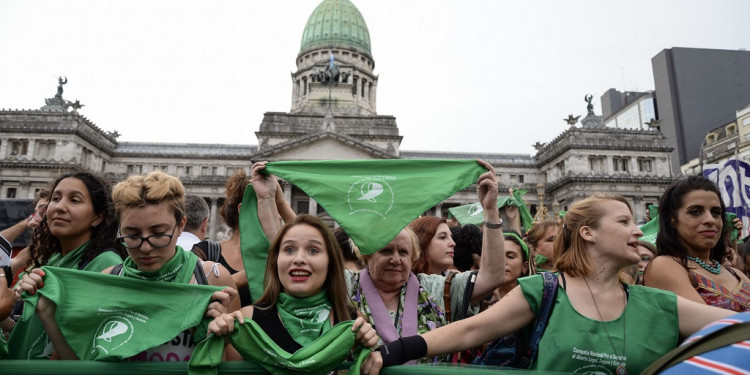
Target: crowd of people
[[437, 292]]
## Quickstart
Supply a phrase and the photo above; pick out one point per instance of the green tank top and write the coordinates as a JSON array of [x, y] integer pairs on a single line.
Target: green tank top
[[575, 344]]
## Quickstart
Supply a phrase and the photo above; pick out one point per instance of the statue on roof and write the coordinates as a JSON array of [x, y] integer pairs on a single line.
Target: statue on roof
[[75, 105], [571, 120], [60, 82], [590, 106]]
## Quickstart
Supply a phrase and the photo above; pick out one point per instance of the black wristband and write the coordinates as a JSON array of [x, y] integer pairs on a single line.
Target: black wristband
[[403, 350]]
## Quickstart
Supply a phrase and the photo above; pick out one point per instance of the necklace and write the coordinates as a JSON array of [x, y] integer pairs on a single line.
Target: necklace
[[621, 370], [713, 268]]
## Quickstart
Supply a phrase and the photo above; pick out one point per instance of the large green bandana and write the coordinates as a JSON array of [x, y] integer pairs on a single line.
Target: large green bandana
[[106, 317], [374, 199], [179, 269], [318, 357], [253, 243], [305, 318], [650, 230]]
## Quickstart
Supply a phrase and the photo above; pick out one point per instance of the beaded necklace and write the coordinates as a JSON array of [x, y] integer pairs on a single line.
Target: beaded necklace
[[713, 268]]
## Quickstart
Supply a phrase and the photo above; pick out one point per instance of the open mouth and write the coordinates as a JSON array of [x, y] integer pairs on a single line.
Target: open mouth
[[300, 275]]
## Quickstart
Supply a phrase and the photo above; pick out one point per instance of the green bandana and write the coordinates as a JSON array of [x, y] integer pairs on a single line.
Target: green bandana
[[106, 317], [319, 357], [540, 259], [523, 210], [305, 318], [253, 243], [474, 213], [650, 230], [179, 269], [374, 199], [70, 260]]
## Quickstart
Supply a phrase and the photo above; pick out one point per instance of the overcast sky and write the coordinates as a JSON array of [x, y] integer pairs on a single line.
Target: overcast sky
[[458, 75]]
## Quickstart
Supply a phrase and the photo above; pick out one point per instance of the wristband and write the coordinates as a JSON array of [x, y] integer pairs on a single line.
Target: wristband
[[493, 225], [403, 350]]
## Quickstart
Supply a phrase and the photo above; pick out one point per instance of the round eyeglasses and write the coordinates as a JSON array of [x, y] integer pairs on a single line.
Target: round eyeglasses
[[155, 240]]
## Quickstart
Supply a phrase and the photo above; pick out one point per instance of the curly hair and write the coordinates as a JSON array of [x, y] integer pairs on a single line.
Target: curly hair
[[425, 228], [468, 241], [152, 189], [668, 241], [235, 190], [43, 244]]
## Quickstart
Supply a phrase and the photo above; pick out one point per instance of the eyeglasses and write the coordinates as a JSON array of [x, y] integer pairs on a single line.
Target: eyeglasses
[[155, 240]]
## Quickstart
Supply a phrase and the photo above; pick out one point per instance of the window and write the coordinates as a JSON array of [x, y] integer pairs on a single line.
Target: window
[[230, 171], [130, 169], [10, 193], [214, 171], [596, 164], [746, 121], [561, 168], [520, 178], [204, 171], [731, 130], [180, 170], [45, 149], [188, 170], [513, 179], [303, 207], [620, 164], [646, 165], [139, 168], [154, 167], [18, 148], [86, 156]]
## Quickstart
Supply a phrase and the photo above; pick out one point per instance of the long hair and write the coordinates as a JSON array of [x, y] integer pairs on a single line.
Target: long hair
[[468, 241], [569, 247], [235, 190], [335, 283], [537, 231], [425, 228], [668, 241], [43, 244]]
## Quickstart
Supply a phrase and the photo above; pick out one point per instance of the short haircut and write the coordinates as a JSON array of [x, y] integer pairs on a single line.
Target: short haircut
[[196, 211]]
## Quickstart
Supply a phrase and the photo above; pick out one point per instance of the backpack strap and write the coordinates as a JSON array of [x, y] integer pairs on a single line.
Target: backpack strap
[[214, 251], [116, 270], [467, 295], [200, 275], [549, 295], [447, 295]]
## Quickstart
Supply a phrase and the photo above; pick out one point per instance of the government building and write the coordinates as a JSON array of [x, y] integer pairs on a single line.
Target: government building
[[333, 116]]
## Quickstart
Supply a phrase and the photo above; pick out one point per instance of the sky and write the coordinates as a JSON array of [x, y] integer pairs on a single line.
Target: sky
[[458, 75]]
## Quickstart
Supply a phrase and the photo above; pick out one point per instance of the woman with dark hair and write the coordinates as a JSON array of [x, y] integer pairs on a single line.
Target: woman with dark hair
[[692, 245], [591, 306], [304, 291], [78, 233], [468, 250], [436, 245], [517, 264]]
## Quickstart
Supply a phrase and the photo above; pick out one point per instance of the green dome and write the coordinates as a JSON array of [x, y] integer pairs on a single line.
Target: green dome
[[336, 23]]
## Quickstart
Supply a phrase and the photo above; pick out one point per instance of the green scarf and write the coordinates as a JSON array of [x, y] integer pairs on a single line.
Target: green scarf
[[319, 357], [540, 259], [106, 317], [179, 269], [650, 230], [305, 318], [374, 199], [28, 339], [253, 243], [473, 213], [523, 210]]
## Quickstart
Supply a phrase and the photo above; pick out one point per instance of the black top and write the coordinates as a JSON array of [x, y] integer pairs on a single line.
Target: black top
[[269, 321]]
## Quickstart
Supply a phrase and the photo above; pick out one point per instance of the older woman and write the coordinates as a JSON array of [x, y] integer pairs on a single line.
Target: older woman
[[587, 330], [399, 303], [692, 246]]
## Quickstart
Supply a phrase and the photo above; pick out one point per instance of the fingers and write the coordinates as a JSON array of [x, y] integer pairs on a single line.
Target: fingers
[[222, 325], [486, 165], [31, 282], [231, 292], [372, 364], [366, 335]]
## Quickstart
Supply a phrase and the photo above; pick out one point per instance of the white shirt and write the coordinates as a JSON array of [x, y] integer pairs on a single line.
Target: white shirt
[[187, 240]]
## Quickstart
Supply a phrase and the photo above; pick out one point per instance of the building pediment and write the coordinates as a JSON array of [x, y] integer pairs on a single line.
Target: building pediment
[[323, 146]]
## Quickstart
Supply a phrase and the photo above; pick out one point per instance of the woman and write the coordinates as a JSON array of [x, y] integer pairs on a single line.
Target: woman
[[468, 249], [400, 303], [692, 246], [647, 251], [541, 237], [517, 262], [436, 244], [76, 233], [587, 330], [304, 281]]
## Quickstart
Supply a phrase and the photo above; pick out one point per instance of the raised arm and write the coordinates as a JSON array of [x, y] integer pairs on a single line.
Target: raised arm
[[266, 187], [492, 263], [285, 210], [15, 231]]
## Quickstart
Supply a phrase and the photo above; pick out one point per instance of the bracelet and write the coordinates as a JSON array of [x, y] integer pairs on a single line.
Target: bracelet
[[492, 225], [2, 275]]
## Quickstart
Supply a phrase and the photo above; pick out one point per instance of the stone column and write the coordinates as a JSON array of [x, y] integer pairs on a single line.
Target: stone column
[[287, 192], [313, 210], [213, 220], [439, 209]]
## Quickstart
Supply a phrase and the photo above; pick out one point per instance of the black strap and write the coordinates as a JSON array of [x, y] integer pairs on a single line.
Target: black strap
[[116, 270], [464, 312], [208, 250]]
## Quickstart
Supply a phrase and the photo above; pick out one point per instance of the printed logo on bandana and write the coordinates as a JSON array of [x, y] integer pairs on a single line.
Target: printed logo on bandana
[[36, 351], [116, 330], [371, 194], [475, 209]]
